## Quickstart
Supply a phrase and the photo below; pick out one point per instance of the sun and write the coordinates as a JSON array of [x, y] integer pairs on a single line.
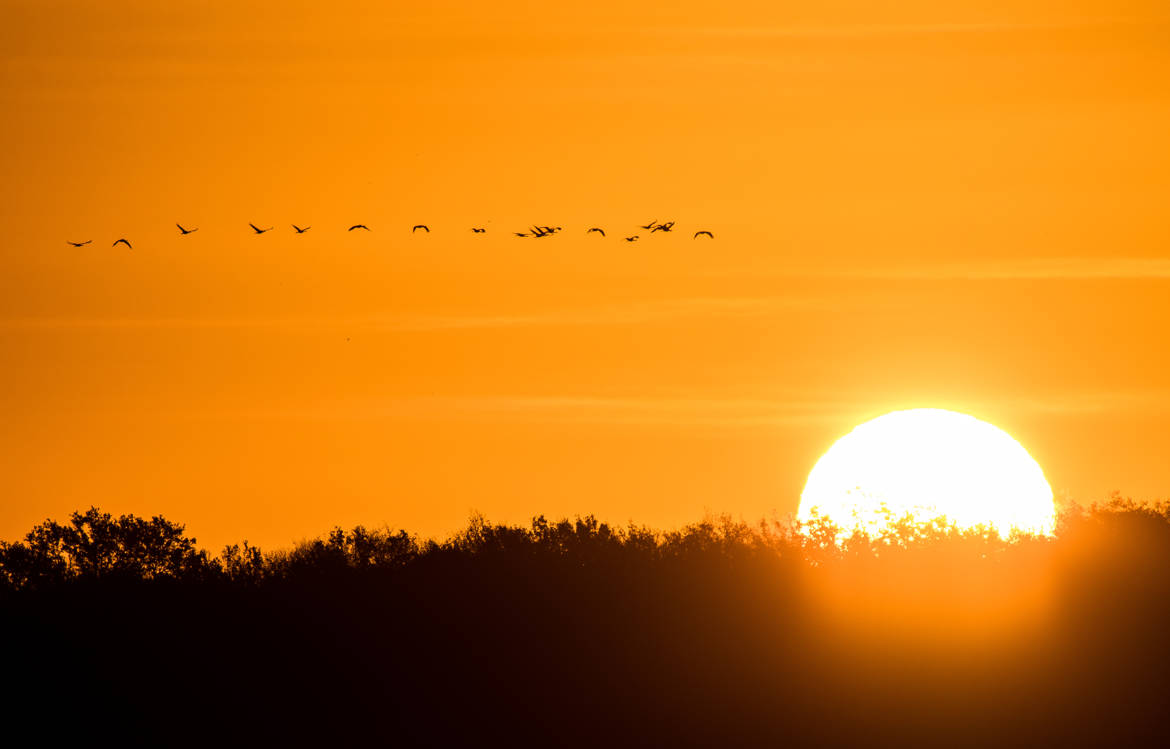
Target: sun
[[928, 462]]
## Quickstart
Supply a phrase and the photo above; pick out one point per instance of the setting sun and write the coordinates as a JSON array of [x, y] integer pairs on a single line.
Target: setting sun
[[928, 463]]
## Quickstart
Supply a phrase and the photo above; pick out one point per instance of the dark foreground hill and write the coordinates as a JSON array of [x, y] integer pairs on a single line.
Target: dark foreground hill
[[578, 634]]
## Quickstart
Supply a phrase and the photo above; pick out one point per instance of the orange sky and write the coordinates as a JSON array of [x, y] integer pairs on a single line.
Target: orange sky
[[951, 204]]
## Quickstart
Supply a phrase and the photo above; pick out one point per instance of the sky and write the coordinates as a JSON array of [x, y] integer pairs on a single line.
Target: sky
[[920, 204]]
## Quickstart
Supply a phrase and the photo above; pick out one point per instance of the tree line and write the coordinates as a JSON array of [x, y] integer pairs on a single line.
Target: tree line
[[577, 632]]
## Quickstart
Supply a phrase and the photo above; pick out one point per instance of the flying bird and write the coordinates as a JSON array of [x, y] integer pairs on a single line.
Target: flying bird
[[663, 227], [595, 229], [424, 227], [551, 229], [185, 232], [632, 239], [709, 234], [79, 244], [650, 225], [478, 230], [258, 230], [359, 226], [520, 234], [122, 241], [300, 230]]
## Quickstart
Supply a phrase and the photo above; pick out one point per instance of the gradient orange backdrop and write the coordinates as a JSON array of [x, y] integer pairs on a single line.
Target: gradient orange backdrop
[[950, 204]]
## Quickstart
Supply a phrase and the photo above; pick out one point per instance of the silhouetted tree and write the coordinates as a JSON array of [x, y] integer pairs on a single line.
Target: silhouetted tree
[[95, 545]]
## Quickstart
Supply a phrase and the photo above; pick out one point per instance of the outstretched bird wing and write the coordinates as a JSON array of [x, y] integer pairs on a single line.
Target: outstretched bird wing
[[709, 234], [122, 241]]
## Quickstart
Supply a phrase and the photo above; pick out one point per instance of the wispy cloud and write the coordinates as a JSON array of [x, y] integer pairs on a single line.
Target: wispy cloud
[[639, 312], [1021, 269], [658, 310], [895, 30], [628, 313], [147, 323], [676, 411]]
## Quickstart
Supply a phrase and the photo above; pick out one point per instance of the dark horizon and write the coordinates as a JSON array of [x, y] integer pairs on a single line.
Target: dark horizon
[[574, 633]]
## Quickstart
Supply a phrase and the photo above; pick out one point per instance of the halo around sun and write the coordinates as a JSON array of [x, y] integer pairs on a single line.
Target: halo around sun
[[928, 462]]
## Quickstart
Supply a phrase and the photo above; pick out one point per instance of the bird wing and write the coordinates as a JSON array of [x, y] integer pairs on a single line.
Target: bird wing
[[121, 241], [254, 227]]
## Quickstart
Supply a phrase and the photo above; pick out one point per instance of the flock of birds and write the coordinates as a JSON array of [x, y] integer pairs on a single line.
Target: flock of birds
[[534, 231]]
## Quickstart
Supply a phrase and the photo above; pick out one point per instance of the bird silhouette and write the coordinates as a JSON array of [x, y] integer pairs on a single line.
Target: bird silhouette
[[632, 239], [185, 232], [79, 244], [669, 225], [258, 230], [122, 241], [595, 229], [537, 231], [520, 234], [551, 229], [359, 226], [424, 227], [709, 234], [650, 225], [478, 230], [300, 230]]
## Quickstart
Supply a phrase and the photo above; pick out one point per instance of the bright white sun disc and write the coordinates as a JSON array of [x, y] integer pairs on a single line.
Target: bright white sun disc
[[928, 462]]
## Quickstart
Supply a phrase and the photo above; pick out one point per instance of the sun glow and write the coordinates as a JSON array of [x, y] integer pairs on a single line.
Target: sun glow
[[928, 463]]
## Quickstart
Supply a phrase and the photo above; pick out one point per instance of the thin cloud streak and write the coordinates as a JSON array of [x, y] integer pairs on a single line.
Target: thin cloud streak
[[678, 412], [1071, 269], [1023, 269], [892, 30], [643, 312], [621, 314], [147, 323]]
